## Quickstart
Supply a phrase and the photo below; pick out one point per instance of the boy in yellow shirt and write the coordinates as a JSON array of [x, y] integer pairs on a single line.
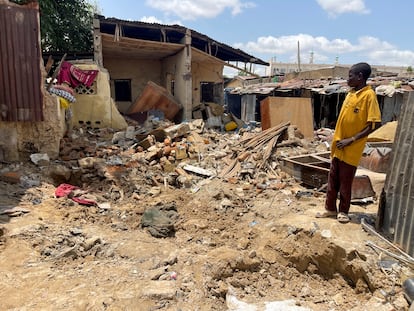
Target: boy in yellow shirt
[[359, 116]]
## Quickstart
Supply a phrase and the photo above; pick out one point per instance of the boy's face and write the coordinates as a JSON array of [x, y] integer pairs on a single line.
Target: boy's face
[[354, 78]]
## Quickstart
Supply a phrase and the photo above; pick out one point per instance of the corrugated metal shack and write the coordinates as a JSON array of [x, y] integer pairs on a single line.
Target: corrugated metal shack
[[327, 96], [396, 212]]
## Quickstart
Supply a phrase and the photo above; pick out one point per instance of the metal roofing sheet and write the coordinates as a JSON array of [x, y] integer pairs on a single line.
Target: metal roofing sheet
[[20, 77], [175, 34], [396, 212]]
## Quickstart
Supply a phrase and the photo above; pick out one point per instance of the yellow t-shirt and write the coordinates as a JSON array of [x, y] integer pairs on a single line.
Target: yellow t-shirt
[[359, 108]]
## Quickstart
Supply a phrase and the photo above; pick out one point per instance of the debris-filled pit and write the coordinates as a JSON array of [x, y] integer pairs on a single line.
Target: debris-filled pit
[[124, 228]]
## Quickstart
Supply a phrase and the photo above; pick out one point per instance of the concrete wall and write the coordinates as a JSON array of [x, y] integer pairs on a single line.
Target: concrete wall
[[323, 73], [140, 71], [96, 110], [20, 139], [205, 72], [186, 74], [178, 68]]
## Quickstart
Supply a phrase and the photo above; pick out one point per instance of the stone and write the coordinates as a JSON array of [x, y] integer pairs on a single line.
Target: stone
[[130, 132], [40, 159], [159, 290], [177, 130], [117, 137]]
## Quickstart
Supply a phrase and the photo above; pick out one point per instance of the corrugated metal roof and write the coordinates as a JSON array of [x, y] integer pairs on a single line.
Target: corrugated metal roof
[[396, 211], [174, 34], [322, 86], [20, 77]]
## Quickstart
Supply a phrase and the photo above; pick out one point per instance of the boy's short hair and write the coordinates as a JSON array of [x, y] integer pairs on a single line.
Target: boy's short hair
[[363, 68]]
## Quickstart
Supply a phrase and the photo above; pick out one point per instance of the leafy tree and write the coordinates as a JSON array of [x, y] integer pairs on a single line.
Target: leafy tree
[[65, 26], [409, 69]]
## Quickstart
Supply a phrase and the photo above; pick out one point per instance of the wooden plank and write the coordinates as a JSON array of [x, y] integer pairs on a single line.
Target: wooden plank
[[198, 170], [296, 110], [56, 72], [49, 64], [155, 97]]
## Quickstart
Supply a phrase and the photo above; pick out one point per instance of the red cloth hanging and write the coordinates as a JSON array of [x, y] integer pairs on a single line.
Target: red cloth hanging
[[72, 75]]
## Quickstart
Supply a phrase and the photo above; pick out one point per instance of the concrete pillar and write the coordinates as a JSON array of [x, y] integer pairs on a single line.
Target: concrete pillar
[[187, 101], [97, 42]]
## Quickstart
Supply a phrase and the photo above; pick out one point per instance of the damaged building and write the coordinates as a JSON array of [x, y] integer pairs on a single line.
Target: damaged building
[[151, 59], [135, 63]]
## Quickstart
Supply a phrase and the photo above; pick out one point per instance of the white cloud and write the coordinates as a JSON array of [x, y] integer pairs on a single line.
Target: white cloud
[[325, 50], [337, 7], [191, 10], [153, 19], [150, 19], [289, 44], [392, 58]]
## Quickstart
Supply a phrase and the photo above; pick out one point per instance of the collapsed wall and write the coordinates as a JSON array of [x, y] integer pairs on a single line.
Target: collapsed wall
[[20, 139]]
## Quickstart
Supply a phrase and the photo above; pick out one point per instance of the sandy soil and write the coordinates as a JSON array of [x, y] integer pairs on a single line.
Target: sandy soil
[[230, 242]]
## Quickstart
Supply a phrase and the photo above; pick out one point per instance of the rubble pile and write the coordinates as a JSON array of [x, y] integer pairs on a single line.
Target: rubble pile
[[180, 214], [160, 155]]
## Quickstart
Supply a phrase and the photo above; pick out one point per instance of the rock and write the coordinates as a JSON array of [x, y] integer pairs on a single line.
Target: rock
[[88, 162], [226, 203], [159, 290], [130, 132], [91, 242], [157, 273], [59, 173], [177, 130], [40, 159], [118, 137]]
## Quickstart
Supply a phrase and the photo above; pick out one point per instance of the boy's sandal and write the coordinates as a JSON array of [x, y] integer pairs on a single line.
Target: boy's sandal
[[343, 218], [326, 214]]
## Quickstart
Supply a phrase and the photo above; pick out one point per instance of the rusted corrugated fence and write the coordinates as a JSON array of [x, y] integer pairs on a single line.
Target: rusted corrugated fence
[[396, 216], [20, 77]]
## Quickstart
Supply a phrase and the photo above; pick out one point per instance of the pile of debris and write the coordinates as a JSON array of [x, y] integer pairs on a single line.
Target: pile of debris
[[159, 155]]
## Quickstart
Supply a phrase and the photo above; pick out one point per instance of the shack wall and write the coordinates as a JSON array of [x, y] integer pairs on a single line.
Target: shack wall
[[396, 213]]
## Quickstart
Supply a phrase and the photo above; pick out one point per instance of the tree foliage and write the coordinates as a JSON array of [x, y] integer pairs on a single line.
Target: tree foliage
[[65, 26]]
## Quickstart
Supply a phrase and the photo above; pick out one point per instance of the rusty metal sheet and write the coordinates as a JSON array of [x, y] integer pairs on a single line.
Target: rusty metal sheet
[[396, 212], [313, 170], [21, 98], [376, 159]]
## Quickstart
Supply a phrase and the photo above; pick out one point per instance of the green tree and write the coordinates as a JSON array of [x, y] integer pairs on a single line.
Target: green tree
[[409, 69], [65, 26]]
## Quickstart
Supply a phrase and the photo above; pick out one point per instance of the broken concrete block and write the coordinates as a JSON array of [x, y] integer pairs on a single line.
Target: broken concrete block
[[117, 137], [130, 132], [178, 130], [147, 142], [180, 153], [87, 162], [151, 155], [40, 159]]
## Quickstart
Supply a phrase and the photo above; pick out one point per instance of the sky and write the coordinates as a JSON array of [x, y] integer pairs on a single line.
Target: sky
[[344, 31]]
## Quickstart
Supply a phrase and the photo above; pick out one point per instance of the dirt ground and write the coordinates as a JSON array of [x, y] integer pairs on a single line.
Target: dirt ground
[[233, 246]]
